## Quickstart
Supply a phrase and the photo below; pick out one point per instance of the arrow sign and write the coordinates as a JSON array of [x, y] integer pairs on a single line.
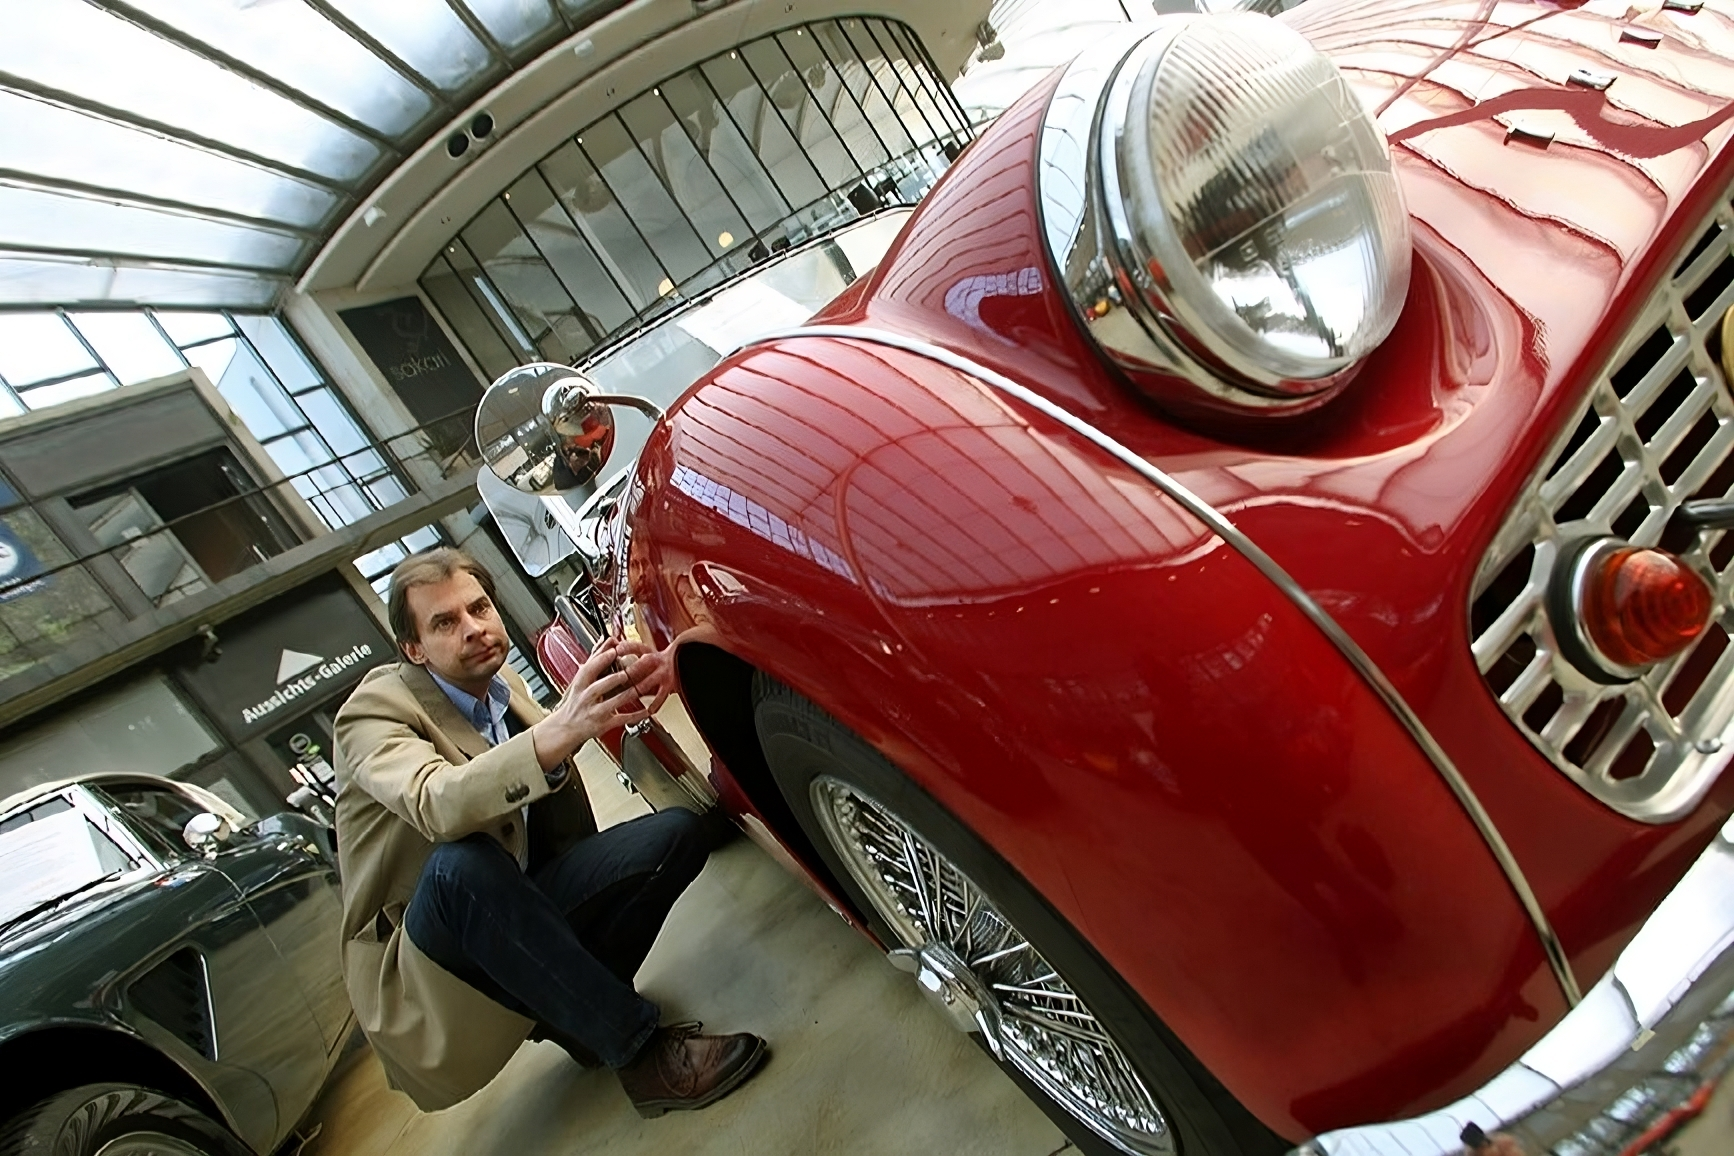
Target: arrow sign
[[294, 662]]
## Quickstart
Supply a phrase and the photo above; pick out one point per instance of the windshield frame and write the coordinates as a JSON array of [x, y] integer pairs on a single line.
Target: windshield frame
[[139, 855]]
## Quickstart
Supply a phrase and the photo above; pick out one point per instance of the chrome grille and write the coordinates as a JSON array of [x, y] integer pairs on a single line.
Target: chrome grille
[[1655, 431]]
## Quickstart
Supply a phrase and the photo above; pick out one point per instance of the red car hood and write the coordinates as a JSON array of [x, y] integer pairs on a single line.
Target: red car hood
[[1531, 261]]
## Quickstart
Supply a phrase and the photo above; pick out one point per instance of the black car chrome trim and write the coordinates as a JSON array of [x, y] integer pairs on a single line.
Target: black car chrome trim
[[1266, 565]]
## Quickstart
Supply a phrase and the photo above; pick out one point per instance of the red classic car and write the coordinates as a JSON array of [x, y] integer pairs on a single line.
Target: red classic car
[[1237, 602]]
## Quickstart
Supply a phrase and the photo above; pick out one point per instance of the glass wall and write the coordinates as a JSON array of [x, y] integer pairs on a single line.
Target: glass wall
[[141, 728], [282, 396], [757, 149], [279, 393]]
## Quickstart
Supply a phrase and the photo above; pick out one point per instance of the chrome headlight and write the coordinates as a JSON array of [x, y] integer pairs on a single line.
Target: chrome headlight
[[1224, 214]]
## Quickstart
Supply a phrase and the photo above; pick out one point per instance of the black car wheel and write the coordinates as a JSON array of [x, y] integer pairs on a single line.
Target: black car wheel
[[116, 1120], [991, 953]]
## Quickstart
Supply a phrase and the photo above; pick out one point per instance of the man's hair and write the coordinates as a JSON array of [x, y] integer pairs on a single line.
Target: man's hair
[[428, 568]]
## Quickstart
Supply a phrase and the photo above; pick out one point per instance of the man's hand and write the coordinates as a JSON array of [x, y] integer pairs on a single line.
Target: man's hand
[[601, 698]]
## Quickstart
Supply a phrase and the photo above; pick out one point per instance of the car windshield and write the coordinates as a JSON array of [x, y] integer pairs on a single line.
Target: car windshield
[[50, 852]]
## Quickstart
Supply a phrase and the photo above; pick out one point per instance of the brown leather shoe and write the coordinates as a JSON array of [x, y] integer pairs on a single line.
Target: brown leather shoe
[[678, 1068]]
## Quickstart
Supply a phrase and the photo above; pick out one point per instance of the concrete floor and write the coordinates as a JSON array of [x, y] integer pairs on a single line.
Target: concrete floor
[[860, 1063]]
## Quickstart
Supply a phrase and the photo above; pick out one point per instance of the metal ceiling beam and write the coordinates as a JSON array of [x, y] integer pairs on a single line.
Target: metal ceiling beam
[[103, 258], [108, 112], [386, 56], [18, 178], [188, 43]]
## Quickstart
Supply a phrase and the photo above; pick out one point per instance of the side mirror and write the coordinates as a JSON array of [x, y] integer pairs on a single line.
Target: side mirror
[[207, 833], [544, 428]]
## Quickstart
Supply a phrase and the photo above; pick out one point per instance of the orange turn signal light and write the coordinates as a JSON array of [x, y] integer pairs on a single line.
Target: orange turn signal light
[[1640, 606], [1618, 608]]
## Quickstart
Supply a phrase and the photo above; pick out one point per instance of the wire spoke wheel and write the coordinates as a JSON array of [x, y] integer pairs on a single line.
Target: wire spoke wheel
[[1034, 1020]]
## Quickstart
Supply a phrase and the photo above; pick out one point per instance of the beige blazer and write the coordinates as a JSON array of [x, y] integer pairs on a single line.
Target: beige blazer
[[412, 772]]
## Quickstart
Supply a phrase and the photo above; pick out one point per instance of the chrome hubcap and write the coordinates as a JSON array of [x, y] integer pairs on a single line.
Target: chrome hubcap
[[978, 969], [951, 987]]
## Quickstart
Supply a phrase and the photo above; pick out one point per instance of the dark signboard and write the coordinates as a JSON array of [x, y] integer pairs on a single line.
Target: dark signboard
[[412, 351], [285, 657]]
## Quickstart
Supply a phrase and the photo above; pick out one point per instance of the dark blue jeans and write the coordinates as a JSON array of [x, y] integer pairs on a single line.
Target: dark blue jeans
[[561, 946]]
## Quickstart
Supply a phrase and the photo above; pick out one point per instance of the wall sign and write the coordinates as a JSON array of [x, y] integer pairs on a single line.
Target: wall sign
[[286, 657], [19, 570], [418, 360]]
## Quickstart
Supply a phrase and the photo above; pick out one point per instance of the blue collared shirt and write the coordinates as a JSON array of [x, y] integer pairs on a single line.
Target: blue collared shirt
[[488, 716]]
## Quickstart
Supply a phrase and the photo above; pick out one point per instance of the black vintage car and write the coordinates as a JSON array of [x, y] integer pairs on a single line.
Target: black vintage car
[[154, 997]]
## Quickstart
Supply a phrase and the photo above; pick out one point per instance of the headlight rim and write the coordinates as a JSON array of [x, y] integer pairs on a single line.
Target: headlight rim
[[1160, 338]]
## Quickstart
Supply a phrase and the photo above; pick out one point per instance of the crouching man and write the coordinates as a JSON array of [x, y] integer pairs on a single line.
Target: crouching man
[[480, 902]]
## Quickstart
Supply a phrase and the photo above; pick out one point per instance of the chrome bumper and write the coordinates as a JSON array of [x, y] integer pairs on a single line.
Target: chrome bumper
[[1644, 1039]]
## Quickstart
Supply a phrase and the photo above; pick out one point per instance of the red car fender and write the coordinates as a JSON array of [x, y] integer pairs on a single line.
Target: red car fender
[[1112, 698]]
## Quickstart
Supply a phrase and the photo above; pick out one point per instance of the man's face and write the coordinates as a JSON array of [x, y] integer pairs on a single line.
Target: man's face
[[459, 634]]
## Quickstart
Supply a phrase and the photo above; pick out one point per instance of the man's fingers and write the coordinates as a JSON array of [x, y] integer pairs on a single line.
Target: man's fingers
[[595, 665], [608, 686]]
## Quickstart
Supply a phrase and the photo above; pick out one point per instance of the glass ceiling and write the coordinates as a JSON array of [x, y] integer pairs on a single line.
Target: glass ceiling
[[198, 152]]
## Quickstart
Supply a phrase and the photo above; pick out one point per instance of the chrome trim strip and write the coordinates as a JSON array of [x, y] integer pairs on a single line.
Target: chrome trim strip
[[1266, 565], [1650, 1034]]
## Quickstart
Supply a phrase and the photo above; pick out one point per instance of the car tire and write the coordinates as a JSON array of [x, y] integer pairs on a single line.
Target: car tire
[[119, 1118], [822, 767]]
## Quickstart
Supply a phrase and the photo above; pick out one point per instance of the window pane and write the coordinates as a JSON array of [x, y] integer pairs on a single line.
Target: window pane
[[513, 22], [37, 136], [587, 198], [864, 70], [885, 57], [331, 419], [37, 346], [633, 182], [186, 328], [293, 43], [142, 728], [380, 561], [254, 394], [490, 301], [292, 456], [762, 124], [214, 358], [709, 125], [125, 524], [684, 172], [37, 219], [574, 262], [444, 287], [387, 491], [788, 89], [73, 47], [271, 338], [76, 48], [44, 396], [48, 608], [129, 345], [33, 280], [542, 306], [917, 77], [428, 37], [834, 99]]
